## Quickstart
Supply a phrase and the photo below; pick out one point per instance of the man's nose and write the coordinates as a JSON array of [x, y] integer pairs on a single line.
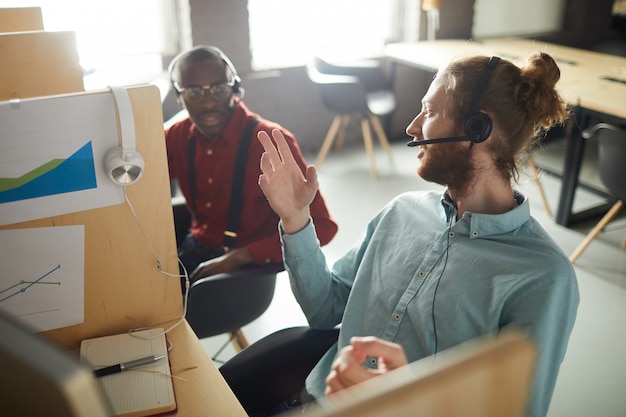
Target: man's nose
[[414, 128]]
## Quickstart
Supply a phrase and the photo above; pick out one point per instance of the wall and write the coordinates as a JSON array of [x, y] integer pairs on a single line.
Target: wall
[[586, 25], [517, 18]]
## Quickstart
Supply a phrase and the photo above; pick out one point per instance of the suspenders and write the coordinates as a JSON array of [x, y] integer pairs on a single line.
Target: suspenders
[[236, 196]]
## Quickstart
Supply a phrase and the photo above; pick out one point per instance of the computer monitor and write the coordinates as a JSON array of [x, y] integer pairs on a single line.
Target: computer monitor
[[39, 378]]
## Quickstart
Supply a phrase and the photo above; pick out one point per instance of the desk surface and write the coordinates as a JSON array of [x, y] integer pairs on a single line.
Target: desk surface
[[584, 73], [202, 391]]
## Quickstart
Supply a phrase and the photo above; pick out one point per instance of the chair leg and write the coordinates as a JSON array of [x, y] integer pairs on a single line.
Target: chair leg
[[341, 133], [596, 230], [531, 164], [328, 141], [369, 146], [382, 137], [239, 341]]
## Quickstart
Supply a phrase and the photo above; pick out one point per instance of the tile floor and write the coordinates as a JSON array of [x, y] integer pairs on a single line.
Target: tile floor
[[592, 381]]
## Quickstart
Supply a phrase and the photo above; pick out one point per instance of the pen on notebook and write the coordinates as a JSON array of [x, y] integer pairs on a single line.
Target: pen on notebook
[[127, 365]]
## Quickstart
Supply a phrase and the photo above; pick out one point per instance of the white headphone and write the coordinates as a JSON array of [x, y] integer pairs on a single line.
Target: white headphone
[[124, 165]]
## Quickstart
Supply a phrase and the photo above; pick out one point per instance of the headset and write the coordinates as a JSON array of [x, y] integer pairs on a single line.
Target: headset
[[124, 164], [212, 51], [478, 124]]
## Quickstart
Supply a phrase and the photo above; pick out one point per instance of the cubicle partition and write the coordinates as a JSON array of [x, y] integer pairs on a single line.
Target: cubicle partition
[[125, 245]]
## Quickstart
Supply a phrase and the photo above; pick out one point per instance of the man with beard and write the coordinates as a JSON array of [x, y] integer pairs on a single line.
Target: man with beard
[[433, 269], [211, 150]]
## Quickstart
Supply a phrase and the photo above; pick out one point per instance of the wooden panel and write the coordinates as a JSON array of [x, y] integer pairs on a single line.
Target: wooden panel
[[482, 378], [38, 64], [20, 19], [123, 288]]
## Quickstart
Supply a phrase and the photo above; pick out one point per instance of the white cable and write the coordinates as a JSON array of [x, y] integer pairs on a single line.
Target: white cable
[[160, 269]]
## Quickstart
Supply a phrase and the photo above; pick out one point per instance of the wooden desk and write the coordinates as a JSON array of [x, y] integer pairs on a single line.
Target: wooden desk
[[204, 391], [590, 82]]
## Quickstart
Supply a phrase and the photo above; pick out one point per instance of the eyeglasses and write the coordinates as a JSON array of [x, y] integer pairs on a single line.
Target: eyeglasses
[[194, 94]]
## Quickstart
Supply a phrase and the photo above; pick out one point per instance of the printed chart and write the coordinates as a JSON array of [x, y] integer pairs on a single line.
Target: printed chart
[[52, 152], [56, 176], [42, 276]]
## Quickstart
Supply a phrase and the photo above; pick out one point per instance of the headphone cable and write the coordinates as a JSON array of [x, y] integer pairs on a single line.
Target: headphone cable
[[160, 269]]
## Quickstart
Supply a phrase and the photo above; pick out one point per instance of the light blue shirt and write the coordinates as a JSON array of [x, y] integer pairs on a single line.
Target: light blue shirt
[[482, 273]]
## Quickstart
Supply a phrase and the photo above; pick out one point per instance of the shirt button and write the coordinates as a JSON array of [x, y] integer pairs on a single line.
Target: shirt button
[[210, 180], [474, 233], [209, 152], [396, 317], [421, 274], [451, 233], [208, 205], [205, 226], [268, 260]]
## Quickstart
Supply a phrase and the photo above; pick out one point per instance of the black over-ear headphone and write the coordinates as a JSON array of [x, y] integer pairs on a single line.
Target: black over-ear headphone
[[478, 124], [124, 164], [237, 89]]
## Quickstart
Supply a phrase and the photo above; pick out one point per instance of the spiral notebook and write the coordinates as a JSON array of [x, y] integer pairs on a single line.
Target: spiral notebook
[[142, 391]]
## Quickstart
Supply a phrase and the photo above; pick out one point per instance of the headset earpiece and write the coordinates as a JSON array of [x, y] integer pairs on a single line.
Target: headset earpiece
[[478, 127], [124, 165], [478, 124]]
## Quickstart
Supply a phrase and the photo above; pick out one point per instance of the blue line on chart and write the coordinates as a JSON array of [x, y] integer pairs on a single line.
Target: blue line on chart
[[22, 290]]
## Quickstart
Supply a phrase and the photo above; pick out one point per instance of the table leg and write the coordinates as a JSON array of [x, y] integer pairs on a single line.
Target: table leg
[[571, 168]]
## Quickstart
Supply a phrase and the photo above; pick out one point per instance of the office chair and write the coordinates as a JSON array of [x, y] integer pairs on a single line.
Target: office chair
[[276, 366], [612, 170], [226, 302], [359, 89]]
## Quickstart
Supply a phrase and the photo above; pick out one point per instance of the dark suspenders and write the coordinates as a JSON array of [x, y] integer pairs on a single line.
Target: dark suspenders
[[236, 196]]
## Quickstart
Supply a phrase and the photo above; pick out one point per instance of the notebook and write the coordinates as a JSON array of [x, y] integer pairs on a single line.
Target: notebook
[[142, 391]]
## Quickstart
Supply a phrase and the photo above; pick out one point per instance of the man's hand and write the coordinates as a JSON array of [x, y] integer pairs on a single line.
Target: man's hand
[[288, 191], [347, 370], [230, 261]]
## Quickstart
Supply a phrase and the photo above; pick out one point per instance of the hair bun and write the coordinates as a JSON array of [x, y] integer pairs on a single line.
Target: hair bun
[[537, 89]]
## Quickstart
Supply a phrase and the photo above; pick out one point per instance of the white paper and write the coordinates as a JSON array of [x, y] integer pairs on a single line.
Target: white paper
[[52, 153], [42, 275]]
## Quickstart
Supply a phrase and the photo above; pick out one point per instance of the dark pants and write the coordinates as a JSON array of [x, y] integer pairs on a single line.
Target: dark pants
[[191, 253], [268, 376]]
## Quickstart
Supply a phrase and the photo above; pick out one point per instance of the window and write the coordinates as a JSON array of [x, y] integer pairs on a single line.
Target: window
[[118, 40], [285, 33]]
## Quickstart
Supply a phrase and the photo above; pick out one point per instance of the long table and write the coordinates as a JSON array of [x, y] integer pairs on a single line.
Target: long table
[[594, 85]]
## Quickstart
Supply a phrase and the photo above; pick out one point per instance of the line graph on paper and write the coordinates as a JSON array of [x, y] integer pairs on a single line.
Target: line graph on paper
[[41, 276]]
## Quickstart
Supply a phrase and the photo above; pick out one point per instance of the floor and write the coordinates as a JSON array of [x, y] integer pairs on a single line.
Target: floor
[[592, 380]]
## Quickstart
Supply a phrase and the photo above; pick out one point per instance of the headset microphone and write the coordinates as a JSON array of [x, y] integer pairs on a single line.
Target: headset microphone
[[439, 140]]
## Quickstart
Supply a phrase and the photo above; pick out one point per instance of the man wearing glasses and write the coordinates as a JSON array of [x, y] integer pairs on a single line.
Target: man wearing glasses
[[213, 150]]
